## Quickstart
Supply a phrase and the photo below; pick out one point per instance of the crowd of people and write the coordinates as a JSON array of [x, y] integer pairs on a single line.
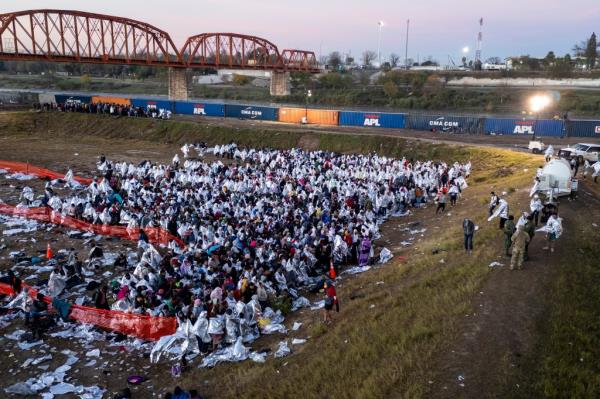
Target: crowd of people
[[102, 108], [256, 224], [519, 234]]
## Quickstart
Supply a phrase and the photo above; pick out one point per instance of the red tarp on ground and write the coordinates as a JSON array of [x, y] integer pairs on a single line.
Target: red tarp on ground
[[21, 167], [141, 326], [155, 235]]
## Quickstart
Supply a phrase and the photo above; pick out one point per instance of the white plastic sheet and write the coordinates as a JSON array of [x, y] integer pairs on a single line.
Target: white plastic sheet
[[385, 256], [300, 302], [235, 353], [283, 350]]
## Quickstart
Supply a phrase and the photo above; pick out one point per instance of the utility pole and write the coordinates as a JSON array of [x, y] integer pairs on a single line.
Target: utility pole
[[380, 23], [406, 45]]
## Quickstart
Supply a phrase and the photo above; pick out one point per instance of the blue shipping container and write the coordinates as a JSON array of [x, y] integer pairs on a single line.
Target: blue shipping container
[[454, 124], [152, 104], [542, 127], [251, 112], [203, 109], [583, 129], [65, 98], [372, 119]]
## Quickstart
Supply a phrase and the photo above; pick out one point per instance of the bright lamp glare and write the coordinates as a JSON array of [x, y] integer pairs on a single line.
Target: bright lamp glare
[[539, 102], [465, 49]]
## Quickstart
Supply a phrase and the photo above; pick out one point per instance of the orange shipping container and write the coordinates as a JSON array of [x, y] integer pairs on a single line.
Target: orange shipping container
[[322, 117], [111, 100], [291, 115]]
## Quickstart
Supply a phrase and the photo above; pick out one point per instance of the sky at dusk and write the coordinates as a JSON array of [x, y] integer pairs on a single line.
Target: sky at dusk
[[438, 27]]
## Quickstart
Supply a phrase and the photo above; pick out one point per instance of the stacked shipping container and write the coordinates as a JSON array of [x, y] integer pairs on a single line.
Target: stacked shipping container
[[445, 123]]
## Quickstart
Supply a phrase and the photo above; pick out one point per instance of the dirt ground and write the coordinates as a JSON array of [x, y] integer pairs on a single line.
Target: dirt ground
[[515, 142], [491, 340], [501, 327]]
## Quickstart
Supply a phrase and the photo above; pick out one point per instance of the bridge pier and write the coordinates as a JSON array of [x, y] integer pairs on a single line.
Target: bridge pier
[[178, 84], [280, 83]]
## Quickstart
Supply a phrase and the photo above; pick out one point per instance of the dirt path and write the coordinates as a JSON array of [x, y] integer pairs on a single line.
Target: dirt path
[[501, 328]]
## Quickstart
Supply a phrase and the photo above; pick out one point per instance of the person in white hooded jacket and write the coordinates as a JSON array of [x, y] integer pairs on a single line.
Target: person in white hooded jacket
[[536, 207], [553, 230], [502, 212]]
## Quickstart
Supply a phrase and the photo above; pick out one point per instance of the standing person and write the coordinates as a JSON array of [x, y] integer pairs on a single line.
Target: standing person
[[331, 300], [469, 231], [502, 212], [549, 153], [453, 191], [441, 202], [574, 188], [509, 231], [553, 230], [596, 169], [365, 251], [530, 230], [100, 298], [520, 240], [493, 202], [536, 207]]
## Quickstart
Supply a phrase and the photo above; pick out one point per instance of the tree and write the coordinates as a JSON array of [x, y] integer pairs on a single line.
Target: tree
[[394, 60], [240, 80], [349, 60], [494, 61], [561, 68], [550, 58], [464, 61], [85, 81], [335, 80], [368, 56], [591, 52], [390, 89], [335, 60]]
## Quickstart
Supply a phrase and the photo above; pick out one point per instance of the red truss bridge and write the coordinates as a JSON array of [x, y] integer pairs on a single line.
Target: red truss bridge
[[82, 37]]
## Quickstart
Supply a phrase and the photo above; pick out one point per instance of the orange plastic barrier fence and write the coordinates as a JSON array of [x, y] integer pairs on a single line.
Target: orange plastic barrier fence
[[111, 100], [141, 326], [21, 167], [155, 235]]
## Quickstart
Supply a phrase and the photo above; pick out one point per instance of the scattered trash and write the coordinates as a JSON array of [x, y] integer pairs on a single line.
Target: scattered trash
[[385, 256], [258, 357], [298, 341], [300, 302], [495, 264], [296, 326], [135, 379], [357, 269], [318, 305], [283, 350], [93, 353]]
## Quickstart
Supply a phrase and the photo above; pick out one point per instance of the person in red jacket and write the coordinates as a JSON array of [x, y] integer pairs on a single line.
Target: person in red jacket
[[330, 301]]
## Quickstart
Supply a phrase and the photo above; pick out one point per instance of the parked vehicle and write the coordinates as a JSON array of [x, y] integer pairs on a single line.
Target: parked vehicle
[[581, 150], [536, 146]]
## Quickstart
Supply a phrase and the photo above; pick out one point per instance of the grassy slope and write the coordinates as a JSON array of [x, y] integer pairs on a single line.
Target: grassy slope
[[385, 351]]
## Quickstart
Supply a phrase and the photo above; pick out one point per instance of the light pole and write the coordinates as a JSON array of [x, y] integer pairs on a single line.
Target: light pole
[[380, 23], [537, 104], [406, 45], [465, 52]]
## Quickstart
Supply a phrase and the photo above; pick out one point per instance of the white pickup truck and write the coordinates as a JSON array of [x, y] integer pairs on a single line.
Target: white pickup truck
[[591, 152]]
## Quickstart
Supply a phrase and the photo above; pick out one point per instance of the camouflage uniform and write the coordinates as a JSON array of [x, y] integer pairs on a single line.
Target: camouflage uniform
[[530, 230], [520, 240], [509, 230]]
